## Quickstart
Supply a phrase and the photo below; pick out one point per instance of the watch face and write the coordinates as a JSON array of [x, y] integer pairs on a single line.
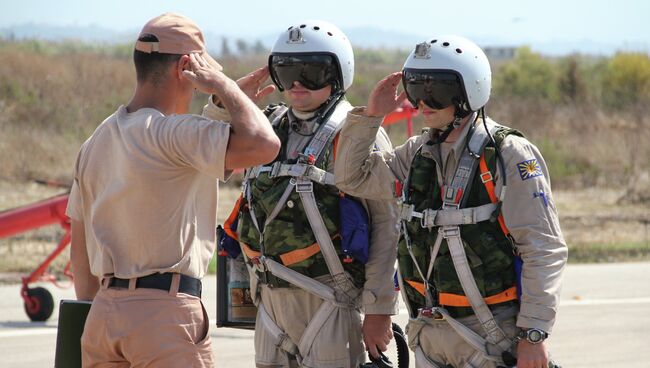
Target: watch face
[[534, 336]]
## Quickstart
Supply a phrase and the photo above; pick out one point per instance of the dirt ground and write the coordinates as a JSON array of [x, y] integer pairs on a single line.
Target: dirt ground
[[589, 218]]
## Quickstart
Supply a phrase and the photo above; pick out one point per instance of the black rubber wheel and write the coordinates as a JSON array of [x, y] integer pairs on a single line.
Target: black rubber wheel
[[42, 304]]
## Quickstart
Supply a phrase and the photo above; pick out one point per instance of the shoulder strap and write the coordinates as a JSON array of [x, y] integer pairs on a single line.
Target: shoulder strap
[[455, 195], [327, 131]]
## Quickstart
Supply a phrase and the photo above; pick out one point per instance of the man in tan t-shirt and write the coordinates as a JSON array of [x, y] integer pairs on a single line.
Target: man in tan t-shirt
[[143, 203]]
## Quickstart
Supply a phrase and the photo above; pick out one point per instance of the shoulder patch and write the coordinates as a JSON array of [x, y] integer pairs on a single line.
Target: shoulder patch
[[529, 169]]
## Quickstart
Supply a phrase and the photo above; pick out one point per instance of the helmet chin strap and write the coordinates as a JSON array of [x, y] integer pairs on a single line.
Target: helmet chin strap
[[444, 132]]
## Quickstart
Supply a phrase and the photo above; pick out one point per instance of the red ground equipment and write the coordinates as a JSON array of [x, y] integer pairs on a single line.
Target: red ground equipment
[[405, 112], [39, 303]]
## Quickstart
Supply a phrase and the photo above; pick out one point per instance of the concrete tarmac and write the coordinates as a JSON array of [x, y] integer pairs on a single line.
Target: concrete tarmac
[[603, 321]]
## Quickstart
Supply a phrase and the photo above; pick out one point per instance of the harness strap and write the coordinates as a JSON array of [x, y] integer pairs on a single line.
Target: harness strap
[[288, 258], [453, 199], [488, 181], [315, 324], [456, 300], [281, 339], [279, 169], [334, 265], [495, 334], [430, 218], [304, 282], [299, 255], [227, 225], [472, 338]]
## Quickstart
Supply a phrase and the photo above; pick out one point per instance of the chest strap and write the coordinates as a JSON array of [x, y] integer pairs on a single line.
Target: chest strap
[[430, 218], [279, 169]]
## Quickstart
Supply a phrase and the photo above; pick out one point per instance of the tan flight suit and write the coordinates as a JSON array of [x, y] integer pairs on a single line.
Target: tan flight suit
[[530, 216], [145, 188], [339, 342]]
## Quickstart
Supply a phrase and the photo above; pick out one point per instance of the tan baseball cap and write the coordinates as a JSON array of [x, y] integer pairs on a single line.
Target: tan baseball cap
[[176, 34]]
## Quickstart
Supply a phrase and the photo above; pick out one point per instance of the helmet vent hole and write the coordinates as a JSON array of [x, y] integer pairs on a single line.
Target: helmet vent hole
[[316, 28], [445, 44], [303, 25], [434, 41], [329, 34], [459, 51], [290, 28]]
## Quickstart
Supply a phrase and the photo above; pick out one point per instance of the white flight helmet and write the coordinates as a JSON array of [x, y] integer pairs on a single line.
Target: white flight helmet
[[316, 37], [429, 70]]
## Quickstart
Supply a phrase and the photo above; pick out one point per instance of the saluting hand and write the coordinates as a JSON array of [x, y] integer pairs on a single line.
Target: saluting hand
[[251, 84], [205, 73], [383, 98]]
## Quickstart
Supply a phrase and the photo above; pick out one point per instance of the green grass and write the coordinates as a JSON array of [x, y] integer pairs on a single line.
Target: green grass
[[609, 252], [212, 267]]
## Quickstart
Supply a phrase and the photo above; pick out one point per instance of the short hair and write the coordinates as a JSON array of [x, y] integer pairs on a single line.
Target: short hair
[[152, 66]]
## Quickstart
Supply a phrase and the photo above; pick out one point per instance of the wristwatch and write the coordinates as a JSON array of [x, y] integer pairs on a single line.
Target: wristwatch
[[532, 335]]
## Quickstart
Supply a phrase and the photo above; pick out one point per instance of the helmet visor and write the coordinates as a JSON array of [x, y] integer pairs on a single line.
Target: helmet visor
[[438, 89], [312, 71]]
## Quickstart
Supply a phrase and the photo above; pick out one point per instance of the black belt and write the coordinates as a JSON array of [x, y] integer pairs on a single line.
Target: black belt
[[163, 281]]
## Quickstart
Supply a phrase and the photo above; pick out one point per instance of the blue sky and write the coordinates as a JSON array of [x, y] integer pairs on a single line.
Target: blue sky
[[619, 25]]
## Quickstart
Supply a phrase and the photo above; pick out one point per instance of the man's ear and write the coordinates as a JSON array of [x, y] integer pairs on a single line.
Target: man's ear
[[182, 64]]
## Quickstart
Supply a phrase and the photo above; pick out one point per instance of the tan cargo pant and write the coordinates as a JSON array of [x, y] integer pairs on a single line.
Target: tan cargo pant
[[436, 344], [146, 328], [338, 343]]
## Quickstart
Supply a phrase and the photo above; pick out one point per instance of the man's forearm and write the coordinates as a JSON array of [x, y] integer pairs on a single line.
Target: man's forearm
[[246, 117]]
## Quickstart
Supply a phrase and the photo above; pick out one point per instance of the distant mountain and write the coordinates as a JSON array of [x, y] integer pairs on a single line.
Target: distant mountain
[[89, 33], [365, 37]]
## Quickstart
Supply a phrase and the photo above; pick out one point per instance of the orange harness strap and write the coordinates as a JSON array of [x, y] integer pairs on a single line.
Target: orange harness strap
[[288, 258], [249, 252], [299, 255], [227, 225], [419, 286], [488, 181], [455, 300], [335, 145]]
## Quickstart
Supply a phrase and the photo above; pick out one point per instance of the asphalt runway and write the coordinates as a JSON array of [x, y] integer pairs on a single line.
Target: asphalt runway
[[603, 321]]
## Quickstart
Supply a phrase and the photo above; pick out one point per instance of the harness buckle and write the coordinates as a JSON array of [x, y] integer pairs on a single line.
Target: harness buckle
[[428, 218], [432, 313], [275, 169], [406, 211], [486, 177], [450, 231], [304, 187]]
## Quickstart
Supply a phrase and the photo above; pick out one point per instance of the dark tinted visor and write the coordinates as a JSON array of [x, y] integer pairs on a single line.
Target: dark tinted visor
[[437, 89], [312, 71]]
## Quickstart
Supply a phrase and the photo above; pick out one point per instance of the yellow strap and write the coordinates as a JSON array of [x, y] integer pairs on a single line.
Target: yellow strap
[[455, 300]]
